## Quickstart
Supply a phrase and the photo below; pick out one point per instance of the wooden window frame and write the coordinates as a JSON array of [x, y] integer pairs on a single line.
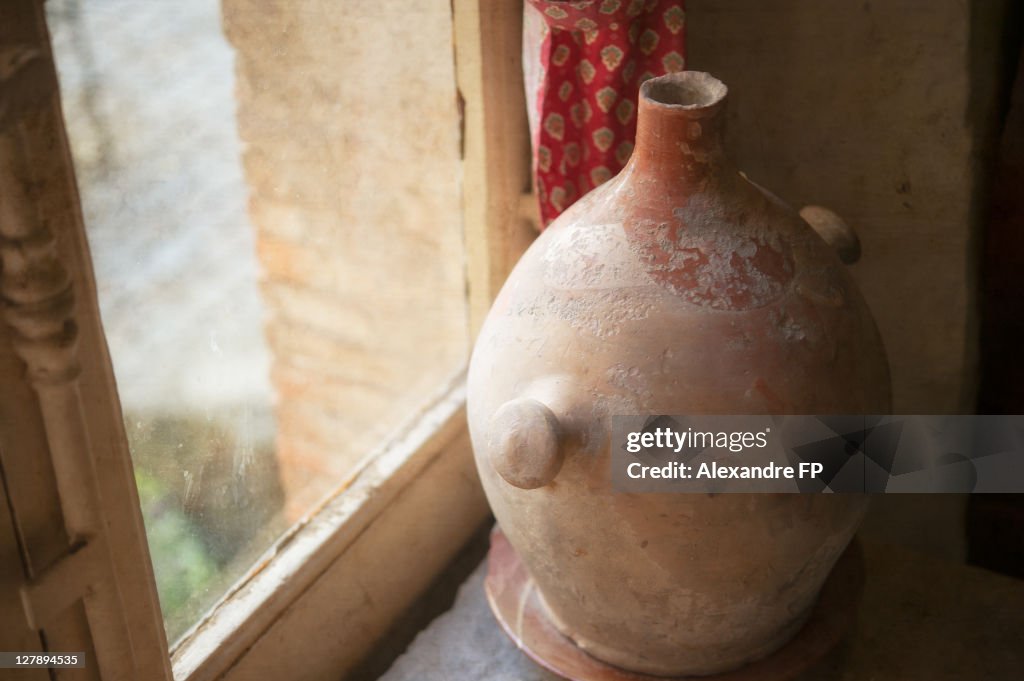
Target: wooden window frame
[[319, 600]]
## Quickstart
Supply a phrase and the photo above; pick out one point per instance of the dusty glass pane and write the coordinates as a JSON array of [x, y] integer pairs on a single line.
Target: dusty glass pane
[[277, 246]]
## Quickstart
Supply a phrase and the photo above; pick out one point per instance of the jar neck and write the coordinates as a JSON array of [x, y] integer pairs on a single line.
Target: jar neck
[[680, 128]]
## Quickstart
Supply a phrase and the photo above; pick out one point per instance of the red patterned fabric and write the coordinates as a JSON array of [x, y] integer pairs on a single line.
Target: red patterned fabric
[[594, 56]]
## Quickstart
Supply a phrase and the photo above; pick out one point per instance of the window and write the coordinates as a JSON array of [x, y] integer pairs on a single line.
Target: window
[[163, 197], [362, 272]]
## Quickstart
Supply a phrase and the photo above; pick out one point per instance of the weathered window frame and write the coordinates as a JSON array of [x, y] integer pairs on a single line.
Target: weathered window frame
[[321, 598]]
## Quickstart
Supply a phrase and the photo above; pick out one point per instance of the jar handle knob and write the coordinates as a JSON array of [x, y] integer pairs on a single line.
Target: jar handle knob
[[834, 230], [523, 443]]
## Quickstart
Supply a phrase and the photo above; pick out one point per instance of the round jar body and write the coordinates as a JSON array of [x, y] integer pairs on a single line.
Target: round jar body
[[671, 290]]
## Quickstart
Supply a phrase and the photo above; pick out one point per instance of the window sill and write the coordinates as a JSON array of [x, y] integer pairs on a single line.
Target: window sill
[[899, 633]]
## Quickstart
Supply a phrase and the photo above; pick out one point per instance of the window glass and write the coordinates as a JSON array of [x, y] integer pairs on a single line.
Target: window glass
[[271, 195]]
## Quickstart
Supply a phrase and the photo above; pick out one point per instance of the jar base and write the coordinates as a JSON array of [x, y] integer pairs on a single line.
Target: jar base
[[519, 608]]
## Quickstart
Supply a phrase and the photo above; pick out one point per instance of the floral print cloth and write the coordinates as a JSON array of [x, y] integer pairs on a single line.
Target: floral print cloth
[[594, 56]]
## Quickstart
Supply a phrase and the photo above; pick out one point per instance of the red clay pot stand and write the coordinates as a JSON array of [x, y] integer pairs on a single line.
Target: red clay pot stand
[[519, 609]]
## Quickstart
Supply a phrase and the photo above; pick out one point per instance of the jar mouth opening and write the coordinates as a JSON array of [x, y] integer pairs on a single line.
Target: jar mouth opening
[[689, 90]]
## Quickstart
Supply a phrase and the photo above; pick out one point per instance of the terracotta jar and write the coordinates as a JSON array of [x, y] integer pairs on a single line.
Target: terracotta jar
[[677, 287]]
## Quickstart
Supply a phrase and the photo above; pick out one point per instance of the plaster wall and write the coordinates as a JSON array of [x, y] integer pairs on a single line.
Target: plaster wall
[[348, 117]]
